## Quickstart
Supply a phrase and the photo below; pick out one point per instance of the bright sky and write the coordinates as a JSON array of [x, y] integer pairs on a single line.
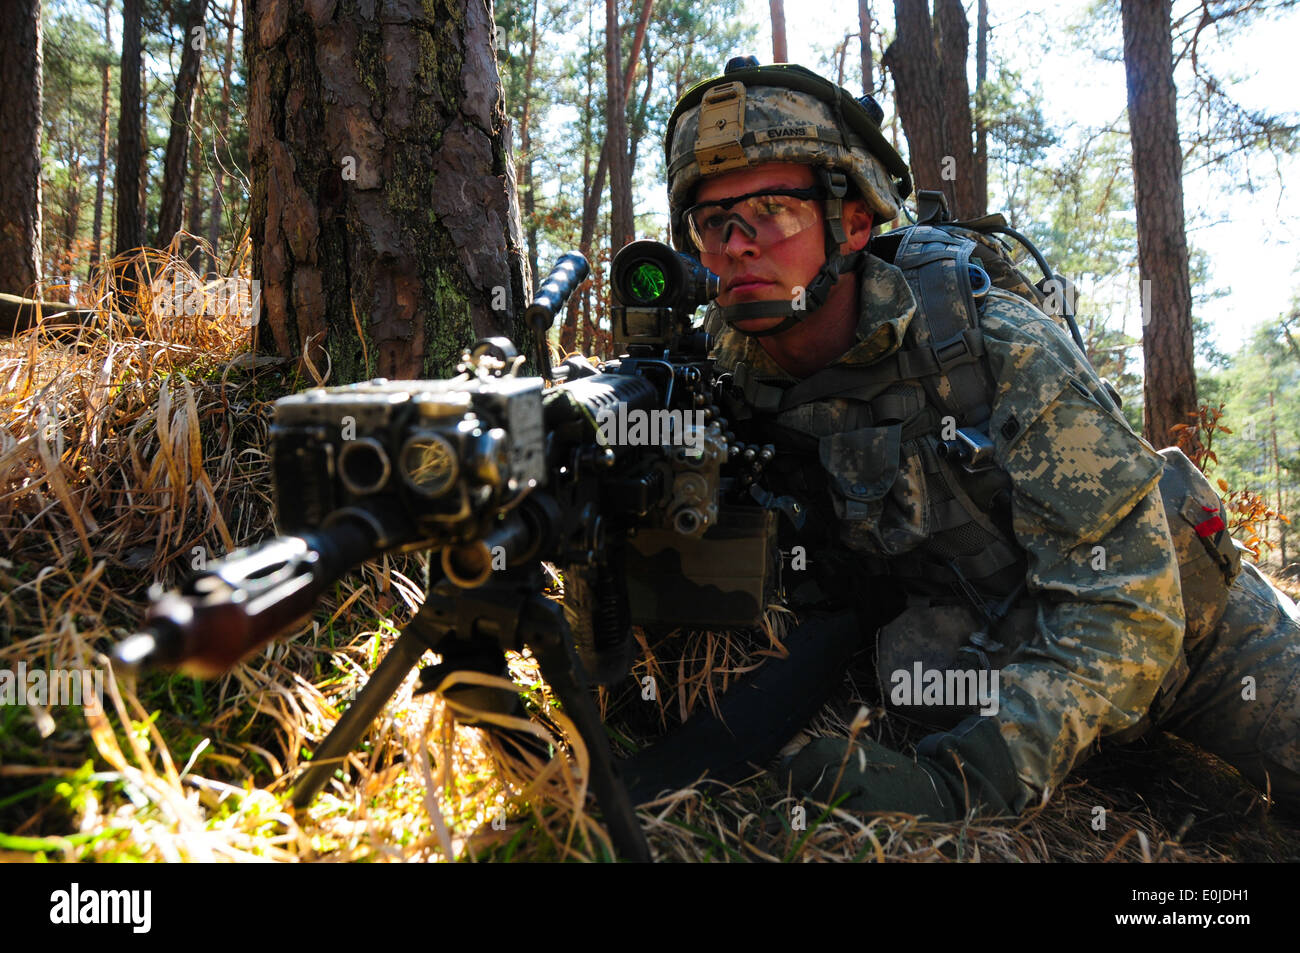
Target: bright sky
[[1253, 251]]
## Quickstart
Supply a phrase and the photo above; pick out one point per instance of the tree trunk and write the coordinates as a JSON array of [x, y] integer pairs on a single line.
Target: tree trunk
[[780, 52], [952, 32], [101, 173], [594, 186], [621, 229], [193, 202], [62, 265], [178, 138], [864, 37], [638, 121], [126, 179], [526, 147], [591, 200], [20, 146], [386, 233], [981, 104], [215, 210], [1170, 376], [928, 64]]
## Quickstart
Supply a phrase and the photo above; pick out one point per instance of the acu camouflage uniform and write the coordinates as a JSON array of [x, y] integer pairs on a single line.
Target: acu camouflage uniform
[[1064, 542], [1083, 652]]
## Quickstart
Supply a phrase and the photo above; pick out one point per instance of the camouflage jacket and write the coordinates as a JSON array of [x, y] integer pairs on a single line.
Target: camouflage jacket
[[1084, 524]]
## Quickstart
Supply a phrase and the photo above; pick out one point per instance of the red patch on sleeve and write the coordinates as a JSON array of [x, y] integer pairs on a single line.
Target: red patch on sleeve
[[1212, 525]]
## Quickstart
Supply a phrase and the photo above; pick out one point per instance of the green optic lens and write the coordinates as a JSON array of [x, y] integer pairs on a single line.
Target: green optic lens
[[647, 282]]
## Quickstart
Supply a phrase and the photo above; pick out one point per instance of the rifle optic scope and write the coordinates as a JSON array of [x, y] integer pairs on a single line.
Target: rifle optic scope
[[648, 274]]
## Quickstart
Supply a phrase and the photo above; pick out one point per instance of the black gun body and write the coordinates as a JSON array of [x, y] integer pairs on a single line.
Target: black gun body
[[499, 473]]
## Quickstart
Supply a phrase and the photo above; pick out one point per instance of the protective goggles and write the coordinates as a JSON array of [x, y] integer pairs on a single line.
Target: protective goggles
[[765, 218]]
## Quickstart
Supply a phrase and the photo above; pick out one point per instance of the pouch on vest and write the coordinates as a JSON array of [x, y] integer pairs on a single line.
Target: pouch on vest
[[878, 489]]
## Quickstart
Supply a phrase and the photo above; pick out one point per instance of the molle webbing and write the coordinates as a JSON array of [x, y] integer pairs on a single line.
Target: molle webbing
[[943, 341], [863, 383], [937, 268]]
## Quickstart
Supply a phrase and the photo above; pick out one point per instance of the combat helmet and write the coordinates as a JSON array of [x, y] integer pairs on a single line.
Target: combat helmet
[[754, 114]]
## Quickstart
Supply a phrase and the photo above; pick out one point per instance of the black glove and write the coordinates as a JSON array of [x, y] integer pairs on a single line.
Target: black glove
[[968, 767]]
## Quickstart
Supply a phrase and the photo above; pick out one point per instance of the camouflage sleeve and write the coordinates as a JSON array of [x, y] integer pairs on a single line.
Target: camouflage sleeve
[[1087, 510]]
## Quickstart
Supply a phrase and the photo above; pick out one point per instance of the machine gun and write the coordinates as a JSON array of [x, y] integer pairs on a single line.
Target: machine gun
[[621, 473]]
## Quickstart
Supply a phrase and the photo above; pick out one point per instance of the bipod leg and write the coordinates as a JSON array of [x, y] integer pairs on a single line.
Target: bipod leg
[[370, 701], [563, 672]]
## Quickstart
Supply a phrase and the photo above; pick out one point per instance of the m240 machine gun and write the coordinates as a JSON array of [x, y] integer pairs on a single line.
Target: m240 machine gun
[[624, 476]]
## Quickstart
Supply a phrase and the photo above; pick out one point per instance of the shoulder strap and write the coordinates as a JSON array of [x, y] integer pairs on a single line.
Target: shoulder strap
[[938, 267]]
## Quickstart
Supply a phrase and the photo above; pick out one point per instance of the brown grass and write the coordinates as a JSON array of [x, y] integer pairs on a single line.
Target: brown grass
[[140, 445]]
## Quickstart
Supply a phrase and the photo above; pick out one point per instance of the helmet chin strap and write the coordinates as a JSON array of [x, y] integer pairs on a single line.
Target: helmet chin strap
[[814, 297], [819, 289]]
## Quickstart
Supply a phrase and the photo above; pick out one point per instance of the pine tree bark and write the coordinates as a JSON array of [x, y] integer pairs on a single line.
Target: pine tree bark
[[780, 51], [864, 37], [928, 63], [194, 201], [71, 222], [526, 146], [1170, 375], [178, 138], [621, 229], [126, 179], [20, 145], [981, 121], [590, 199], [216, 199], [952, 32], [596, 186], [101, 173], [386, 232]]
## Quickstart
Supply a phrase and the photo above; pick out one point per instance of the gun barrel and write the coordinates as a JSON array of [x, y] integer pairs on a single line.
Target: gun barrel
[[245, 600]]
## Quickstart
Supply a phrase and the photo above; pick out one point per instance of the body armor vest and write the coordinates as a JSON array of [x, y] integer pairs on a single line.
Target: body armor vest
[[908, 485]]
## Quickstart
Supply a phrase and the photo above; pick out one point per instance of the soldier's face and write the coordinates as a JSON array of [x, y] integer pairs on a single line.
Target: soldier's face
[[750, 270]]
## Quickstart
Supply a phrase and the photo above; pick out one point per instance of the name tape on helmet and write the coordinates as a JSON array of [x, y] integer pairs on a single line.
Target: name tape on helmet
[[785, 132]]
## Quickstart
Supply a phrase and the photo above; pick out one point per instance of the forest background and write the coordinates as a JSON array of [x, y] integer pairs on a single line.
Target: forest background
[[1047, 97], [133, 447]]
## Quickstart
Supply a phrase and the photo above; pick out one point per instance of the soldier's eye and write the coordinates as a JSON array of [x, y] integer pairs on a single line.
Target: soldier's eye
[[775, 206]]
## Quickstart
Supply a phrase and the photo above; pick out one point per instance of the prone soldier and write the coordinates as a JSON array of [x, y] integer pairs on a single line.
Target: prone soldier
[[953, 445]]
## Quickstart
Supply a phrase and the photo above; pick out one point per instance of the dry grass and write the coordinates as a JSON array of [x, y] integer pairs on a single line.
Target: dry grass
[[131, 450]]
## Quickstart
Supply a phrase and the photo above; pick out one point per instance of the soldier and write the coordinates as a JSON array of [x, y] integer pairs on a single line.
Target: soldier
[[954, 446]]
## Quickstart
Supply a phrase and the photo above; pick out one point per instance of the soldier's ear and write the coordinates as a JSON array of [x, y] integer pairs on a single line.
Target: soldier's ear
[[857, 225]]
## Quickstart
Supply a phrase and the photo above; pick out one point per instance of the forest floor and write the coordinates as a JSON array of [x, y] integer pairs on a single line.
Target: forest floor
[[130, 455]]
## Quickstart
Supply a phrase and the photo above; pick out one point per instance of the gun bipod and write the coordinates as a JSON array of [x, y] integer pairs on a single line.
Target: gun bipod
[[510, 611]]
